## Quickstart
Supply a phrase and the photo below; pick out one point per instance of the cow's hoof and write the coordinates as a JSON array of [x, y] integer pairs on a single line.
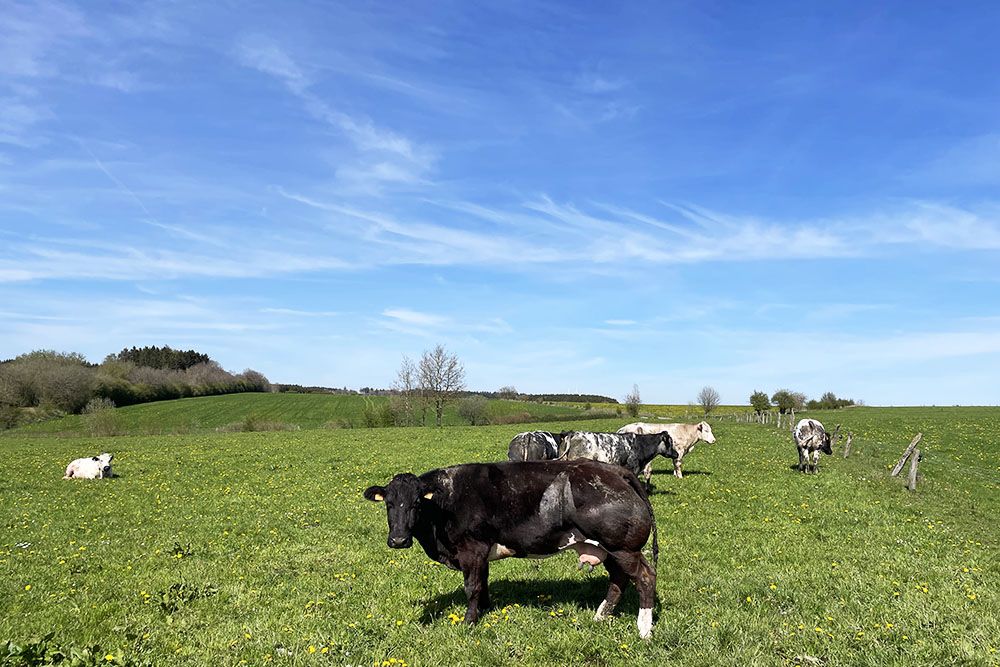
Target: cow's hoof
[[599, 615], [645, 623]]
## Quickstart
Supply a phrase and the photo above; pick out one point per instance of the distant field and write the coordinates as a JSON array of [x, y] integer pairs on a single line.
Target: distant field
[[223, 548], [307, 411]]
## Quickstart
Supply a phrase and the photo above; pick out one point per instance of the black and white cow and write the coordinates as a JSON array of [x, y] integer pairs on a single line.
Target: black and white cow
[[630, 450], [810, 439], [468, 515], [535, 446]]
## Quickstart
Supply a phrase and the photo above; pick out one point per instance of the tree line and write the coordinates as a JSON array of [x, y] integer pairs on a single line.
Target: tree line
[[45, 383], [786, 401]]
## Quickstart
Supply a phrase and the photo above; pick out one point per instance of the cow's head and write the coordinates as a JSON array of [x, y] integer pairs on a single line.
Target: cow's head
[[705, 431], [402, 497], [665, 446], [828, 438], [104, 460]]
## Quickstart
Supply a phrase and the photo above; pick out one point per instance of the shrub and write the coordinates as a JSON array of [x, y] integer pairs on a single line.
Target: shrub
[[10, 416], [473, 409], [376, 414], [102, 419]]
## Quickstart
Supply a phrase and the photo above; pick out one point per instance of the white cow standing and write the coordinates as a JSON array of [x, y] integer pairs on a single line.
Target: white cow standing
[[810, 439], [683, 435], [94, 467]]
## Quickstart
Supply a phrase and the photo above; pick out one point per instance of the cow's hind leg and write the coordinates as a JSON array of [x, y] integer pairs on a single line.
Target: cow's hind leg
[[815, 460], [619, 581], [475, 565], [633, 566], [803, 460], [647, 472]]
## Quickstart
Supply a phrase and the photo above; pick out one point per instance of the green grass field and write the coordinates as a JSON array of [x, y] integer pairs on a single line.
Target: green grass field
[[257, 548], [307, 411]]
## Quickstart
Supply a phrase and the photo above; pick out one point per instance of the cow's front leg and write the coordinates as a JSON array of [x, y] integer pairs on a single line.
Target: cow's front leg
[[475, 565], [648, 473], [815, 460], [677, 467]]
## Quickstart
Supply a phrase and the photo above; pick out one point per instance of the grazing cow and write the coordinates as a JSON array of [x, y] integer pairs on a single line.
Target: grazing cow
[[683, 435], [535, 446], [631, 450], [811, 438], [468, 515], [95, 467]]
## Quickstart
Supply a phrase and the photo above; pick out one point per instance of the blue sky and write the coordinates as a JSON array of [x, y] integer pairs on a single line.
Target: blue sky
[[571, 197]]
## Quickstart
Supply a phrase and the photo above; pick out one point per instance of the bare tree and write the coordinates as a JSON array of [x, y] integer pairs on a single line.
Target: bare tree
[[633, 401], [507, 391], [441, 377], [708, 399], [408, 395]]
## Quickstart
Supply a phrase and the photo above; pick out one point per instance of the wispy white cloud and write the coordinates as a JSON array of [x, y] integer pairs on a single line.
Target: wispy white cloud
[[300, 313], [385, 157]]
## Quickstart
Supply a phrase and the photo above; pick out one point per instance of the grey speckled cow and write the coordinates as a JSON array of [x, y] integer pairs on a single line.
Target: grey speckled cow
[[630, 450], [811, 439]]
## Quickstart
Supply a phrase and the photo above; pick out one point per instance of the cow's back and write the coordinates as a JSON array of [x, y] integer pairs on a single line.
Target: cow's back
[[613, 448], [517, 500], [532, 446], [807, 432]]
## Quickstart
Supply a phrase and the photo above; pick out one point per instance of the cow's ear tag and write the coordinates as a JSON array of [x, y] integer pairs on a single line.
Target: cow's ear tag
[[377, 497], [428, 495]]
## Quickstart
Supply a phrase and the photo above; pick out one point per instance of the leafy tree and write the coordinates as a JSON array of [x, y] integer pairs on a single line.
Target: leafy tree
[[708, 399], [633, 401], [760, 402], [787, 400], [507, 391]]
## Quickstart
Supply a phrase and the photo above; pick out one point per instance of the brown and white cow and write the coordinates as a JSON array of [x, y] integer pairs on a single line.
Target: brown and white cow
[[683, 435], [810, 439]]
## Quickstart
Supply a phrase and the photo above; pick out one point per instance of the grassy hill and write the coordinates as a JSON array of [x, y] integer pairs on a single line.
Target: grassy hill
[[305, 411], [258, 548]]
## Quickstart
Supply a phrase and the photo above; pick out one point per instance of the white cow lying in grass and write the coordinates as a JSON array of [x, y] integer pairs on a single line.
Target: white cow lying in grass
[[95, 467]]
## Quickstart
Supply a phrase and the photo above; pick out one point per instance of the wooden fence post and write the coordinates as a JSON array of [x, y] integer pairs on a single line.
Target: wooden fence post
[[847, 445], [914, 462], [906, 453]]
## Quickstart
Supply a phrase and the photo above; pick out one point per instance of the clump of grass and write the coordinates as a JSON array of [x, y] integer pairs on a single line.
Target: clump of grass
[[171, 599]]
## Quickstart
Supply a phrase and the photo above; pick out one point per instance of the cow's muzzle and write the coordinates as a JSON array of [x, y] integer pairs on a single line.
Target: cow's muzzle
[[400, 542], [106, 471]]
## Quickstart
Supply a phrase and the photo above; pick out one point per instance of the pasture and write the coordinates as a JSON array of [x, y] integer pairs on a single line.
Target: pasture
[[257, 548], [302, 411]]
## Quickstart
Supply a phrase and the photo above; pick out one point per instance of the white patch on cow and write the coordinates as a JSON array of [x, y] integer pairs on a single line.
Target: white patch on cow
[[599, 616], [589, 551], [498, 551], [645, 622]]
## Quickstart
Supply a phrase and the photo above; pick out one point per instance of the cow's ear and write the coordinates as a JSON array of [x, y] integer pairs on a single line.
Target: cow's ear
[[376, 494]]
